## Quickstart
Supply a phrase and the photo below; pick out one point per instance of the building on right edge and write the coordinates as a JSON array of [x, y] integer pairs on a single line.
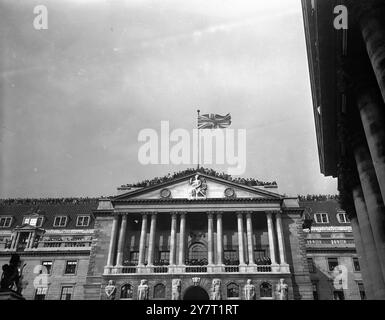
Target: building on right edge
[[347, 75]]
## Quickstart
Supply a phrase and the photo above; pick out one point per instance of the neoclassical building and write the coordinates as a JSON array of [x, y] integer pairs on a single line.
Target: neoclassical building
[[202, 232]]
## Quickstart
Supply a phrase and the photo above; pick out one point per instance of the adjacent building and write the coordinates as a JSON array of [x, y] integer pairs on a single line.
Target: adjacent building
[[346, 54]]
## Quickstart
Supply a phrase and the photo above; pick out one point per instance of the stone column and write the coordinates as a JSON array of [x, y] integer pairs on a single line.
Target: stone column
[[373, 199], [210, 236], [240, 239], [32, 239], [142, 241], [173, 238], [281, 241], [372, 112], [250, 245], [372, 24], [362, 258], [29, 240], [112, 246], [16, 240], [373, 264], [151, 241], [122, 238], [219, 239], [270, 230], [182, 240]]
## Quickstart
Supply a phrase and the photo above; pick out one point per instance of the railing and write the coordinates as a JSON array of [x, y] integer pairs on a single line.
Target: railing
[[160, 269], [331, 242], [231, 268], [129, 270], [263, 268], [196, 269]]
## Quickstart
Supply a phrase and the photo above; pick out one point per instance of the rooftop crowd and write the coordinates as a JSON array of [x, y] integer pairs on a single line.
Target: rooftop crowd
[[318, 197], [29, 201], [211, 172]]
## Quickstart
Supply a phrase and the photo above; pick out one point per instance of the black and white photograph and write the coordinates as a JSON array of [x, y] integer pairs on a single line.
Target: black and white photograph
[[158, 151]]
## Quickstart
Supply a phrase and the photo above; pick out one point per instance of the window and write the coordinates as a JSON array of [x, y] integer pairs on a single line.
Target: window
[[35, 221], [332, 263], [71, 267], [47, 265], [40, 293], [83, 221], [232, 290], [198, 254], [231, 257], [60, 221], [315, 290], [338, 295], [356, 264], [5, 222], [266, 290], [342, 217], [259, 254], [310, 264], [134, 257], [126, 292], [159, 291], [66, 293], [321, 218], [361, 288], [164, 256]]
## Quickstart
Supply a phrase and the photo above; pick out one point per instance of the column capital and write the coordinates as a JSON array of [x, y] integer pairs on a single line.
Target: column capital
[[143, 214], [249, 214], [173, 214], [240, 214], [210, 214], [219, 213]]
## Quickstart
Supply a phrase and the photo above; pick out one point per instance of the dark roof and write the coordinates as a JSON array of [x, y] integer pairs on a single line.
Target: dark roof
[[331, 207], [49, 211]]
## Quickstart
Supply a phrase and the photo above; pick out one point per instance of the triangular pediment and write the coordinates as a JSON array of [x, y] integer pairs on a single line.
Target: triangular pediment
[[210, 188]]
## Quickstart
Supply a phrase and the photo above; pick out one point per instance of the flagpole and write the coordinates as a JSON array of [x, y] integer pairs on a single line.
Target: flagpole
[[198, 140]]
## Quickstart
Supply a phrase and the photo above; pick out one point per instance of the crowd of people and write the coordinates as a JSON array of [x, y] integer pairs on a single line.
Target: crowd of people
[[29, 201], [211, 172], [318, 197]]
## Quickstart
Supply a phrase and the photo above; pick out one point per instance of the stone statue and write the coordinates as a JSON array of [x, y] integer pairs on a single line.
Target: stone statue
[[198, 187], [12, 277], [282, 290], [110, 290], [216, 290], [176, 287], [143, 290], [249, 290]]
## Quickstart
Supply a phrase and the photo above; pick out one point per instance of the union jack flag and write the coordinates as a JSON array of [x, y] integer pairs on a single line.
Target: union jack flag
[[213, 121]]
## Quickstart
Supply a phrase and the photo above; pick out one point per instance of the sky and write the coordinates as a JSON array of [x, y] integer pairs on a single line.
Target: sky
[[74, 97]]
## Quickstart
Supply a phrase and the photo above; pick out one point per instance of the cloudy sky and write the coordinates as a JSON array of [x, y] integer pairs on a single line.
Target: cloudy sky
[[73, 98]]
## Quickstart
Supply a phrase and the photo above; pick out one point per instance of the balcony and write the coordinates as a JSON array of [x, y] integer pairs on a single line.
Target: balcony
[[176, 269], [337, 243]]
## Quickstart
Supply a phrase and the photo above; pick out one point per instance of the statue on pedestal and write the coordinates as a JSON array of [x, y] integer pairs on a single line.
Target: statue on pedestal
[[143, 290], [216, 290], [282, 290], [176, 287], [249, 290], [12, 277], [110, 290]]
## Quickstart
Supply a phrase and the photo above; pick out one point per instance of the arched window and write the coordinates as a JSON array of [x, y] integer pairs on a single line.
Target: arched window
[[198, 253], [126, 292], [266, 290], [232, 290], [159, 291]]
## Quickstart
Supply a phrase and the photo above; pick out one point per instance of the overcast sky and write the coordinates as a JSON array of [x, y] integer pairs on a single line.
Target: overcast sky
[[74, 97]]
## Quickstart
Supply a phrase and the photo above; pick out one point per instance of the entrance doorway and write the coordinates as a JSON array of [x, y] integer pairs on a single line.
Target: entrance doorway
[[196, 293]]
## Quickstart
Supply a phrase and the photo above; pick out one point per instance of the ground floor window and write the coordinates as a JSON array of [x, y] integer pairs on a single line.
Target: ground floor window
[[40, 293], [66, 293], [160, 291], [362, 290], [338, 295], [232, 290], [315, 290], [266, 290], [126, 292]]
